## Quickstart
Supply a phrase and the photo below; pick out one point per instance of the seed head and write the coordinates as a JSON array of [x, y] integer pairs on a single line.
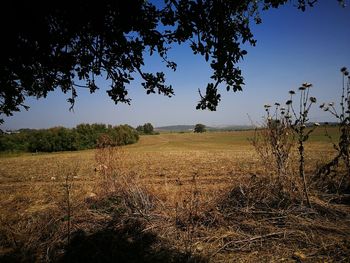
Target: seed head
[[282, 108], [346, 73], [302, 88], [313, 99], [307, 85], [322, 105], [343, 69], [267, 106], [289, 102], [331, 104], [277, 104], [291, 92], [326, 109]]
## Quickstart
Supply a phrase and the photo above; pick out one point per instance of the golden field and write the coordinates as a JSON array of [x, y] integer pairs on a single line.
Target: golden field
[[167, 198]]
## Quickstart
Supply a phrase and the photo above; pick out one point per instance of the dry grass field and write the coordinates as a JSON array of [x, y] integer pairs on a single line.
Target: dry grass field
[[169, 198]]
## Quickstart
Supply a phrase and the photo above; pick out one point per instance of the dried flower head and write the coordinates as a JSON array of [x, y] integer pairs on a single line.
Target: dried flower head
[[331, 104], [291, 92], [267, 106], [322, 105], [289, 102], [346, 73], [313, 99], [302, 88], [343, 69], [277, 104], [307, 85], [282, 108], [326, 109]]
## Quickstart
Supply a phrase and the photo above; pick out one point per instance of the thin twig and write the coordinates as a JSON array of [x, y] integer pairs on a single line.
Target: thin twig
[[249, 240]]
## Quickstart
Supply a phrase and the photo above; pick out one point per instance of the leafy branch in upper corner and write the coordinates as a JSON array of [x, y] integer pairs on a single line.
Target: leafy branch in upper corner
[[68, 45]]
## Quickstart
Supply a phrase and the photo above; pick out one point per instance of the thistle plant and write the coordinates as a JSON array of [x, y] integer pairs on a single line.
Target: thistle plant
[[343, 116], [274, 141], [298, 119]]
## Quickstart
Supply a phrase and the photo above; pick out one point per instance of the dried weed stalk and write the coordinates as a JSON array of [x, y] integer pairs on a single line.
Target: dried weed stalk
[[274, 141], [110, 161], [67, 204], [342, 146], [116, 184], [298, 121], [67, 186], [187, 215]]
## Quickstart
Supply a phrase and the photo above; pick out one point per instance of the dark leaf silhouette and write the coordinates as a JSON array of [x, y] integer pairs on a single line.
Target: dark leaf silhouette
[[66, 44]]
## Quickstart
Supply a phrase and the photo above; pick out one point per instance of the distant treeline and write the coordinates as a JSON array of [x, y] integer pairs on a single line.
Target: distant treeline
[[83, 136]]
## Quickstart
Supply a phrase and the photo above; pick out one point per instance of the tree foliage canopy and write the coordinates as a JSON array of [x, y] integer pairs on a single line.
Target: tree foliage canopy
[[48, 45], [83, 136], [147, 128], [199, 128]]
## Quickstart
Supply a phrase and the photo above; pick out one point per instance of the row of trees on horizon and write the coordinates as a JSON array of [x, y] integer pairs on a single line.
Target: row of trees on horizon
[[83, 136]]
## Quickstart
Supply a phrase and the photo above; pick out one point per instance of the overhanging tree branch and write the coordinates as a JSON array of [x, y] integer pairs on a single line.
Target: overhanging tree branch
[[47, 45]]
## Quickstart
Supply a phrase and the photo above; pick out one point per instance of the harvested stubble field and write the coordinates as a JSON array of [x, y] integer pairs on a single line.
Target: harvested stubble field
[[169, 198]]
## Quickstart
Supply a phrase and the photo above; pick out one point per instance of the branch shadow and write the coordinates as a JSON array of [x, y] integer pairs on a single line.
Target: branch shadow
[[127, 244]]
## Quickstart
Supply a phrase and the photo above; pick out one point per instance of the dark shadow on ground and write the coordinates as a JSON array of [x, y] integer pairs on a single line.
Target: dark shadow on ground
[[127, 244]]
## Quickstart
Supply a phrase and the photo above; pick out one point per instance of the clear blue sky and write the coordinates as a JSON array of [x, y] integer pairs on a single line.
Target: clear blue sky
[[292, 47]]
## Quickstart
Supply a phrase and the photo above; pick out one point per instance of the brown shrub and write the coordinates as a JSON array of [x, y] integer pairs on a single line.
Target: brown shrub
[[262, 193]]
